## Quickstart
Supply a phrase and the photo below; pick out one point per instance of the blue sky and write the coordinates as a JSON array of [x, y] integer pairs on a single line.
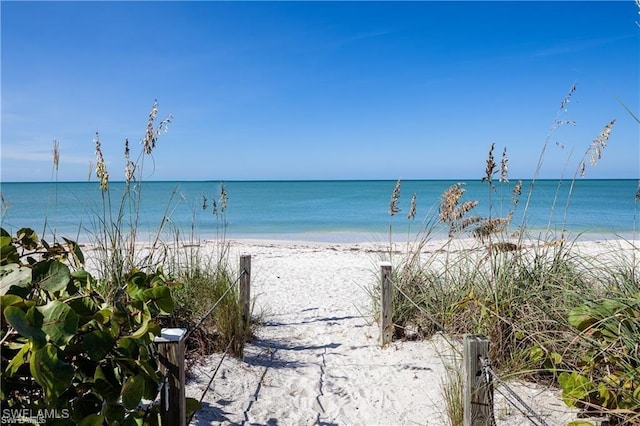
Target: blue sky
[[318, 90]]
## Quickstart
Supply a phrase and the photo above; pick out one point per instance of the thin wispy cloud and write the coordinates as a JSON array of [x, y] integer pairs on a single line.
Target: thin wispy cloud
[[577, 46]]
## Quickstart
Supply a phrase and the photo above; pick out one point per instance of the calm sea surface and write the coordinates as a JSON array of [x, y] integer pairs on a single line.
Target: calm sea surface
[[313, 210]]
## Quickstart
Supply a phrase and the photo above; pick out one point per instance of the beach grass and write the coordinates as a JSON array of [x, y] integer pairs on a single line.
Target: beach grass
[[553, 313]]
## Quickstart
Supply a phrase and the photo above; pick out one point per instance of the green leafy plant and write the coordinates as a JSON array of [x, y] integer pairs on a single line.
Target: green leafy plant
[[65, 347], [607, 377]]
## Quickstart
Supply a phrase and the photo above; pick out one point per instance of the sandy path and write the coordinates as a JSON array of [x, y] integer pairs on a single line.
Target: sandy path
[[316, 358]]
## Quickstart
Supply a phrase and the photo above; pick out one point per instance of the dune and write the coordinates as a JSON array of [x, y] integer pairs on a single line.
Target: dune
[[316, 357]]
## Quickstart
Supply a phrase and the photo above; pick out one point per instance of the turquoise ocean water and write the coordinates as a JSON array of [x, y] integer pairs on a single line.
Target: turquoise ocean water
[[337, 211]]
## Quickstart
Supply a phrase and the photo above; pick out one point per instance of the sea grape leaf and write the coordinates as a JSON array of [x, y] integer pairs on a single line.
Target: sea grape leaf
[[575, 387], [28, 238], [191, 406], [142, 331], [84, 306], [50, 372], [19, 320], [14, 275], [87, 405], [75, 250], [8, 252], [114, 413], [18, 360], [57, 277], [103, 315], [133, 419], [60, 322], [107, 383], [161, 296], [10, 300], [92, 420], [98, 344], [581, 317], [132, 391]]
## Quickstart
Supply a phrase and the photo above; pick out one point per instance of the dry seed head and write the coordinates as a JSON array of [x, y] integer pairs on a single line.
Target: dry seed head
[[463, 224], [151, 135], [204, 202], [5, 205], [516, 192], [600, 143], [101, 168], [491, 226], [463, 209], [567, 98], [504, 167], [490, 170], [56, 154], [393, 205], [449, 200], [129, 172], [637, 197], [412, 208], [130, 168], [223, 198], [149, 141]]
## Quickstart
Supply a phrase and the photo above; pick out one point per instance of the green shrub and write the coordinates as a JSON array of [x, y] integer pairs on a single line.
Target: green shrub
[[64, 347]]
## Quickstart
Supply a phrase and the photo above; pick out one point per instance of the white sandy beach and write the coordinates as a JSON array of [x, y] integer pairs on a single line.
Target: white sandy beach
[[316, 357]]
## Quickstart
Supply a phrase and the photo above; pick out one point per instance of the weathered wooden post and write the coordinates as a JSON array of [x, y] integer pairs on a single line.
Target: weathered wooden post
[[171, 348], [386, 314], [245, 290], [478, 394]]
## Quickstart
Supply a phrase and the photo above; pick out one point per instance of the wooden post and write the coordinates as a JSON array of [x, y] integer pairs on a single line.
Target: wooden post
[[171, 346], [478, 395], [245, 290], [245, 287], [386, 313]]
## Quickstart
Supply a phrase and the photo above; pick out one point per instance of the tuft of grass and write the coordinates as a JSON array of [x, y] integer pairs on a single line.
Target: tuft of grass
[[452, 388]]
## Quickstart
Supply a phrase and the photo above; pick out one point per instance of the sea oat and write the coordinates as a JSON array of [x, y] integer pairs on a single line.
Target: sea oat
[[151, 136], [504, 167], [393, 205], [600, 143], [223, 198], [582, 168], [463, 224], [462, 209], [56, 154], [412, 208], [567, 98], [490, 170], [130, 168], [515, 193], [449, 200], [149, 141], [637, 197], [101, 168], [491, 226], [204, 202], [5, 205]]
